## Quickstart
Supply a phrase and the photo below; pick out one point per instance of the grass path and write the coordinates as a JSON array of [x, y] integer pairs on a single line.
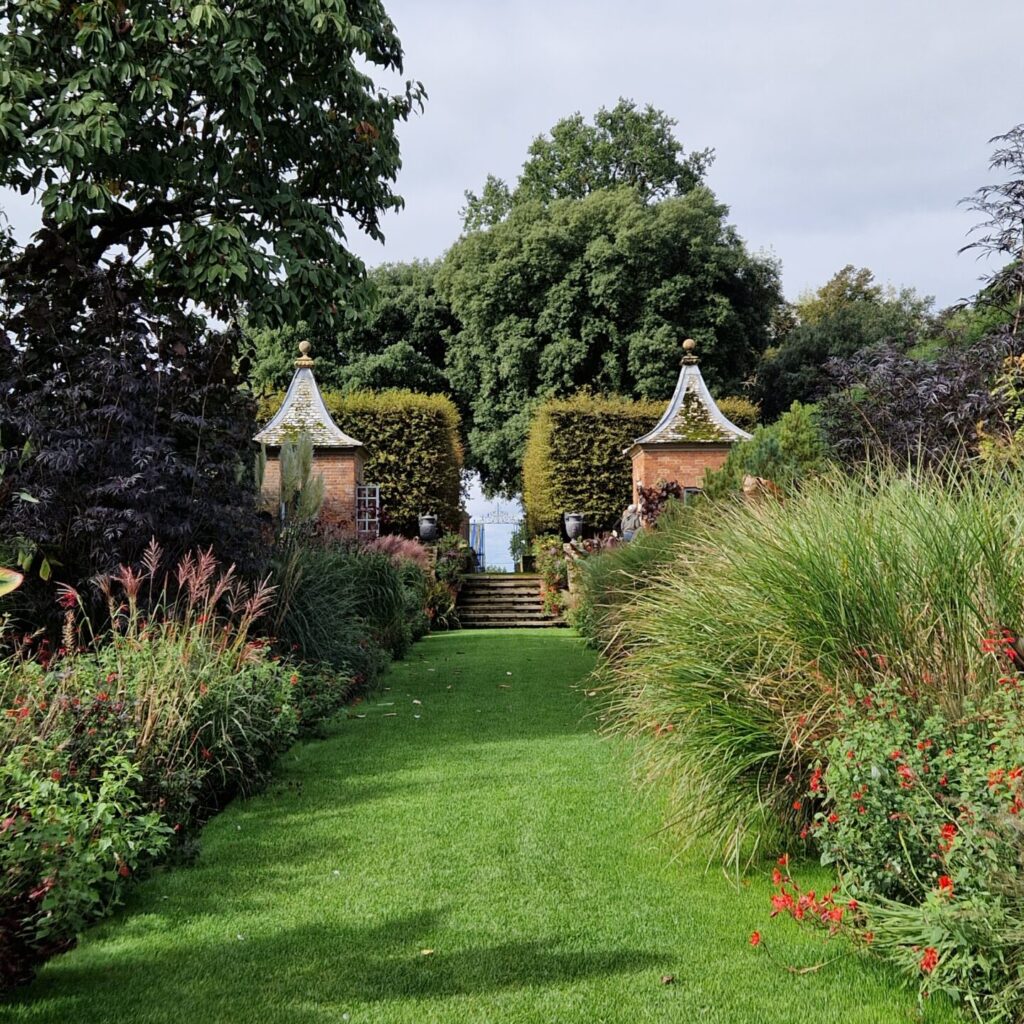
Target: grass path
[[471, 812]]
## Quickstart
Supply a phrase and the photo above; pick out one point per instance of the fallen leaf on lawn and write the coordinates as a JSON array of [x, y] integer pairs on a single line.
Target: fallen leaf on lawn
[[504, 686], [417, 702], [426, 952], [387, 704], [357, 716], [508, 673], [391, 714], [668, 979]]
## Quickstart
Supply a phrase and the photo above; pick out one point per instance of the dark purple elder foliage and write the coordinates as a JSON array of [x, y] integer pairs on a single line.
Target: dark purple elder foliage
[[887, 405], [652, 500], [135, 426]]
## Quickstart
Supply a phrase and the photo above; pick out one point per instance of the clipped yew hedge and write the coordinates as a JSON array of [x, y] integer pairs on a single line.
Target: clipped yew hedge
[[575, 459], [414, 452]]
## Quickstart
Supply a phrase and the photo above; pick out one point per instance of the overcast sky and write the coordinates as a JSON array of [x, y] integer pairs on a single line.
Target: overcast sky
[[844, 133]]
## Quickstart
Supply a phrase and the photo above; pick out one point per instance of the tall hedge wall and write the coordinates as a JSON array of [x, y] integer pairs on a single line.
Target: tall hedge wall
[[414, 451], [574, 458]]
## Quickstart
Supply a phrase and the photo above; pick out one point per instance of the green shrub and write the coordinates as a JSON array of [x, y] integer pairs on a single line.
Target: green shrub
[[68, 849], [920, 812], [786, 452], [575, 459], [122, 739], [741, 411], [455, 558], [414, 452], [553, 566], [732, 665], [608, 580]]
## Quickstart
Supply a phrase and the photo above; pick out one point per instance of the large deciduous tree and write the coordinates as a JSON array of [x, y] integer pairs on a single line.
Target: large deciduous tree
[[596, 292], [224, 144], [848, 313], [396, 339], [188, 158], [625, 146]]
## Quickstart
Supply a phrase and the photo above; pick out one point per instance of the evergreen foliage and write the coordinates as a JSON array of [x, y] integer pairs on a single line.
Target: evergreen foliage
[[596, 292], [414, 452], [576, 462], [784, 452]]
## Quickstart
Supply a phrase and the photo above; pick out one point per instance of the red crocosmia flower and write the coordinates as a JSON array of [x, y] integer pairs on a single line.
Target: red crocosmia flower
[[833, 818], [835, 915], [206, 755], [906, 774], [945, 885], [995, 778], [803, 832], [930, 960], [43, 888], [943, 781], [776, 876], [849, 755], [869, 937], [755, 939], [815, 783], [853, 904], [102, 695], [56, 775], [123, 870], [783, 861], [896, 755], [1016, 773], [797, 805]]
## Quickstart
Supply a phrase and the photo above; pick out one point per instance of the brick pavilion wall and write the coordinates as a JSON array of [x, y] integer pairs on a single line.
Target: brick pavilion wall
[[342, 472], [685, 464]]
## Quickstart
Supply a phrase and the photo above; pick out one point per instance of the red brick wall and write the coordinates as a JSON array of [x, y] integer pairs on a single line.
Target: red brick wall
[[342, 472], [684, 464]]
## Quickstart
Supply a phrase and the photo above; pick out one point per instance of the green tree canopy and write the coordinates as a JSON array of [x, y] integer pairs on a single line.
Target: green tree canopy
[[224, 146], [848, 313], [625, 146], [394, 339], [596, 292]]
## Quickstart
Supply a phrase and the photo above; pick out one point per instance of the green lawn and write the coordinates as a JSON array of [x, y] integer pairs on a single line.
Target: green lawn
[[471, 813]]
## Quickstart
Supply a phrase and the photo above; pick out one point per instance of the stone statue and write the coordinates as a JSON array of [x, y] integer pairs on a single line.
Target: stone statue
[[631, 522]]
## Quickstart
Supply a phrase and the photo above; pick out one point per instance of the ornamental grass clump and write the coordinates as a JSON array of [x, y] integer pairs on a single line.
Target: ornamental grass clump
[[733, 663]]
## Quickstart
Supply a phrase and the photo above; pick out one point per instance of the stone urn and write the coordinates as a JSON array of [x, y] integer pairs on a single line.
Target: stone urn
[[428, 529], [574, 525]]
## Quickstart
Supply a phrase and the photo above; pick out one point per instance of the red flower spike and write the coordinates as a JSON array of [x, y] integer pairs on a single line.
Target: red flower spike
[[755, 939], [930, 960]]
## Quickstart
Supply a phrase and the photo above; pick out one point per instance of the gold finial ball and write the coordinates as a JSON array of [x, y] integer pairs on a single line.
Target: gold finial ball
[[689, 345], [304, 347]]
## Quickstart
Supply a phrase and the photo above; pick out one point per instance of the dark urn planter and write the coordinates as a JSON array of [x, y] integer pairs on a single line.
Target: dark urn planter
[[428, 528], [573, 525]]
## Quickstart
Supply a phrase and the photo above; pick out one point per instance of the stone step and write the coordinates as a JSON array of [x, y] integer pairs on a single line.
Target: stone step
[[504, 601], [513, 624]]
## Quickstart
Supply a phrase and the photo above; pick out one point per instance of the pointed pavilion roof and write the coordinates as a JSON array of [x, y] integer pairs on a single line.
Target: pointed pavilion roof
[[692, 417], [303, 411]]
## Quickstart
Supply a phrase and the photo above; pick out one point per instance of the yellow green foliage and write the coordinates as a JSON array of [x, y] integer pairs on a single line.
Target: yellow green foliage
[[575, 458], [741, 411], [414, 451]]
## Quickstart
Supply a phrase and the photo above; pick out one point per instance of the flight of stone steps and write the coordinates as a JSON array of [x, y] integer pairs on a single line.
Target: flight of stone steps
[[503, 600]]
